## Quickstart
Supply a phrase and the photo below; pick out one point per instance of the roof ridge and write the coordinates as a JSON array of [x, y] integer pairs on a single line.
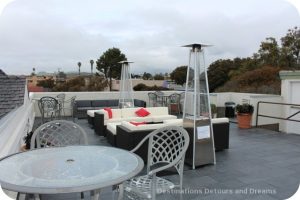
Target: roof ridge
[[2, 73]]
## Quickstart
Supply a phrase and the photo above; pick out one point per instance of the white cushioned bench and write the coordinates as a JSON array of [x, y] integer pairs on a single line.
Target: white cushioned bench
[[101, 118]]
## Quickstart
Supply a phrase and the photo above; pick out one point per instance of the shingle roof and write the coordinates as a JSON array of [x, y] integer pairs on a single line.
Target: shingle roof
[[12, 91]]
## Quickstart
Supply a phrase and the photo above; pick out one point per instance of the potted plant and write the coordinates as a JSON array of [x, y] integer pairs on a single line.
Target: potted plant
[[244, 115], [213, 109], [27, 140]]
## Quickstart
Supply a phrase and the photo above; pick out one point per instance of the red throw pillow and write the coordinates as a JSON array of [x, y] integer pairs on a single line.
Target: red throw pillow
[[137, 123], [109, 112], [142, 112]]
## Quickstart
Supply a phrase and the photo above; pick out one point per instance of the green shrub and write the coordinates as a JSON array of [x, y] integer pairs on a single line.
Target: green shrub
[[245, 108]]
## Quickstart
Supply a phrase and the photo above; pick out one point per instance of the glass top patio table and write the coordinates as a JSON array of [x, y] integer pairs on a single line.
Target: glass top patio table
[[68, 169]]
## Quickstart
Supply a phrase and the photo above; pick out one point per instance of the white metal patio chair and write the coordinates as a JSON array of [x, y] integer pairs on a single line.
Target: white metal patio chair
[[174, 102], [160, 97], [152, 99], [166, 149], [58, 133], [55, 134], [70, 103], [61, 101]]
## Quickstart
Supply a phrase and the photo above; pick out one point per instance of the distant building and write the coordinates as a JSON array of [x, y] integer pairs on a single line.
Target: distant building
[[60, 77], [32, 88], [159, 83], [33, 80]]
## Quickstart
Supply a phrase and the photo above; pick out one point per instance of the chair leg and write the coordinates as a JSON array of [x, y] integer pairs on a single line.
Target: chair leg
[[153, 195], [121, 191], [95, 194], [82, 195], [31, 197], [181, 191]]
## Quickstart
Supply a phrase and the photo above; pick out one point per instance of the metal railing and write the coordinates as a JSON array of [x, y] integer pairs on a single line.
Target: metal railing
[[274, 117]]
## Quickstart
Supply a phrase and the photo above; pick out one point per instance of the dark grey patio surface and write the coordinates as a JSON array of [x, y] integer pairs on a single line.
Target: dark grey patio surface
[[260, 164]]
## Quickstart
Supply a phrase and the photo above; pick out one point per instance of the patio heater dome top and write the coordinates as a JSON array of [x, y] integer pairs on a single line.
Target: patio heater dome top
[[197, 46], [125, 62]]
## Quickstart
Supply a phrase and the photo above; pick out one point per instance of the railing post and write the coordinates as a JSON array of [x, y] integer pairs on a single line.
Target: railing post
[[257, 109]]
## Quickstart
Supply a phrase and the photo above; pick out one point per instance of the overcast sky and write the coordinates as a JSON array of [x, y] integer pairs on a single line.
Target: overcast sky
[[52, 34]]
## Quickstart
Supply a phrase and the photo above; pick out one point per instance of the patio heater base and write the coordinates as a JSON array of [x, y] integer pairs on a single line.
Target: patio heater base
[[204, 151]]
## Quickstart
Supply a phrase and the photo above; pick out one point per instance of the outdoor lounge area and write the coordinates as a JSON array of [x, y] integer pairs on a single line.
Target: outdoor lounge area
[[260, 164], [250, 163]]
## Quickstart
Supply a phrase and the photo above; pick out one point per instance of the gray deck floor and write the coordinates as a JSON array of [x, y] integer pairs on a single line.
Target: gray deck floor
[[260, 164]]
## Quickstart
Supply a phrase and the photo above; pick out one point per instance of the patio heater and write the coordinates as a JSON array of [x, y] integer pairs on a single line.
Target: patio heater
[[126, 94], [196, 110]]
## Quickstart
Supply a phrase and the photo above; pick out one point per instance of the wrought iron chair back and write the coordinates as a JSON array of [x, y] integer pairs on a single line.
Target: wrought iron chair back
[[160, 98], [174, 99], [152, 99], [48, 107], [159, 93], [58, 133]]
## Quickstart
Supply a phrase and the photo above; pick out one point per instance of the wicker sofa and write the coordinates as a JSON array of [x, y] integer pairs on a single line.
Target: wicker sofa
[[126, 136], [101, 119], [82, 106]]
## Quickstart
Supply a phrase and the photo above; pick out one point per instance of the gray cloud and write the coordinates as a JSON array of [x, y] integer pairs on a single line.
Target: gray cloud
[[53, 34]]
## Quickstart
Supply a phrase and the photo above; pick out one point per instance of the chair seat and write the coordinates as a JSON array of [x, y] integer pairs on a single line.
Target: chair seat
[[141, 186]]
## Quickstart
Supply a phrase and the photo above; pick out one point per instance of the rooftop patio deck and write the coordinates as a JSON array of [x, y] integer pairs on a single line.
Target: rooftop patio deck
[[260, 164]]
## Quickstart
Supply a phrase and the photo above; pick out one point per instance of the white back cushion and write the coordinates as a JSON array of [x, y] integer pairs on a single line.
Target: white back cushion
[[116, 113], [129, 112], [157, 111]]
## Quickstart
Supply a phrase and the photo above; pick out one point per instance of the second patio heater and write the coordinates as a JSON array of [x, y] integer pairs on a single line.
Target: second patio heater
[[126, 94], [196, 110]]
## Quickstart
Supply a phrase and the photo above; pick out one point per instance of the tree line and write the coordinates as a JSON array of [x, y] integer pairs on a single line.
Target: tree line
[[260, 72], [257, 73]]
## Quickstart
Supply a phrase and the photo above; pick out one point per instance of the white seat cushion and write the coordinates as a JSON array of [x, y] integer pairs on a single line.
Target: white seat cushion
[[219, 120], [138, 119], [173, 122], [112, 127], [161, 118], [91, 113], [112, 120], [132, 127]]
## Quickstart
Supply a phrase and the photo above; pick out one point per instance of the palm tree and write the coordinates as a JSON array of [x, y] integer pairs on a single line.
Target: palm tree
[[33, 71], [79, 65], [92, 63]]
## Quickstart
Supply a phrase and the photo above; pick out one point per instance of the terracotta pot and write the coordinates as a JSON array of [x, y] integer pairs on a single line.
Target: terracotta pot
[[23, 148], [244, 120]]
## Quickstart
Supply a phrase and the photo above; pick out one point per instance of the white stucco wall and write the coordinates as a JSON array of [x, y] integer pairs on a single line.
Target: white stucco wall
[[216, 98], [290, 92], [142, 95]]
